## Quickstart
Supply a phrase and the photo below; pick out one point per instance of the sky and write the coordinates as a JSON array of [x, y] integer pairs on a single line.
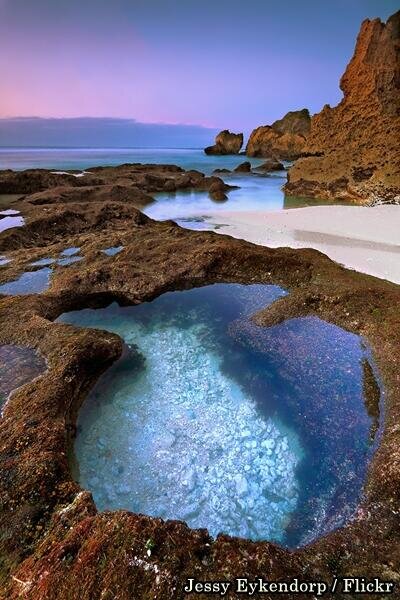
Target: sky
[[210, 63]]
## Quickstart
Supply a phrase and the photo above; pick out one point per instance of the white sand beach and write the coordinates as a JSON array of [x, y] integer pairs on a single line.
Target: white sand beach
[[361, 238]]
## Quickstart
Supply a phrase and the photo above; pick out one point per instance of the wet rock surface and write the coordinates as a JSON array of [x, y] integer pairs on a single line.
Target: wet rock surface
[[244, 167], [54, 544], [18, 366], [353, 149], [270, 165]]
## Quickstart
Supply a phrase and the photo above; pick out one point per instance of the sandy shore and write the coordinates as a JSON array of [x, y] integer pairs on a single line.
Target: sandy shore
[[361, 238]]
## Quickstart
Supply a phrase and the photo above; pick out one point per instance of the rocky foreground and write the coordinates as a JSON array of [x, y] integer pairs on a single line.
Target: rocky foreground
[[54, 544], [354, 148]]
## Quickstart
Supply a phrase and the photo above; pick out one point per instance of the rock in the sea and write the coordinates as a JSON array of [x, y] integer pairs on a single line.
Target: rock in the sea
[[285, 138], [226, 143], [244, 167], [270, 165], [353, 150], [217, 190], [219, 196]]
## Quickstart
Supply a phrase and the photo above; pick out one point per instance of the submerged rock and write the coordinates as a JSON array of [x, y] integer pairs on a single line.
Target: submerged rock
[[226, 143]]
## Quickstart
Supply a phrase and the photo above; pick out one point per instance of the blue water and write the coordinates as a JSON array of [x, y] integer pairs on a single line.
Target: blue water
[[81, 158], [43, 262], [31, 282], [70, 251], [18, 365], [69, 260], [256, 191], [208, 418], [113, 250], [9, 222], [38, 281]]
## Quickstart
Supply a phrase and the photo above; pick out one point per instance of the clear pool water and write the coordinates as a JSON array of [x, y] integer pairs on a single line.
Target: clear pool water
[[18, 365], [113, 250], [31, 282], [72, 251], [256, 191], [8, 222], [256, 432]]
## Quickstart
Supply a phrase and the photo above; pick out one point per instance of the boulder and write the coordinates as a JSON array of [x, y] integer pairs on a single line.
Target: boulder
[[270, 165], [226, 143], [244, 167], [285, 138], [218, 195]]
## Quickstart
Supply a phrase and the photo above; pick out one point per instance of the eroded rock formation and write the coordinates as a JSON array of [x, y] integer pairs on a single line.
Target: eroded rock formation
[[355, 147], [226, 143], [270, 165], [244, 167], [54, 544], [284, 139]]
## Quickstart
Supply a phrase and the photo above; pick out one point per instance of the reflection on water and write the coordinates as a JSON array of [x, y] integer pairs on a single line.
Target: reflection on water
[[258, 191], [68, 260], [113, 250], [4, 260], [7, 222], [81, 158], [254, 193], [6, 200], [18, 365], [208, 418], [70, 251], [31, 282], [43, 262]]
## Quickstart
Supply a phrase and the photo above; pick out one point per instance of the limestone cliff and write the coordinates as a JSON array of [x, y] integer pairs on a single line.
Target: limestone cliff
[[284, 139], [226, 143], [353, 150]]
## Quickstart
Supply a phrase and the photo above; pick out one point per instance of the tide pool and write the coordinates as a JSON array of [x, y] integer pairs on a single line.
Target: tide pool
[[213, 420]]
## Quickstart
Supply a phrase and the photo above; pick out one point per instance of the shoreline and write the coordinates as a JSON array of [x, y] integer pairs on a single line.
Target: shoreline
[[365, 239]]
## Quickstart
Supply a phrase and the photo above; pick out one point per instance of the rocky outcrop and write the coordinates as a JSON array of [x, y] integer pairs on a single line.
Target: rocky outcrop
[[38, 180], [54, 543], [284, 139], [226, 143], [131, 183], [353, 149], [98, 193], [270, 165], [244, 167]]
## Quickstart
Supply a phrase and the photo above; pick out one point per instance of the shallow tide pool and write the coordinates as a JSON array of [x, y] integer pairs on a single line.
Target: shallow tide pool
[[18, 366], [30, 282], [208, 418]]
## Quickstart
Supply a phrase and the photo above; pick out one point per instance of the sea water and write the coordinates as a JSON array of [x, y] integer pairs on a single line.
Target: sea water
[[256, 432], [30, 282], [190, 209]]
